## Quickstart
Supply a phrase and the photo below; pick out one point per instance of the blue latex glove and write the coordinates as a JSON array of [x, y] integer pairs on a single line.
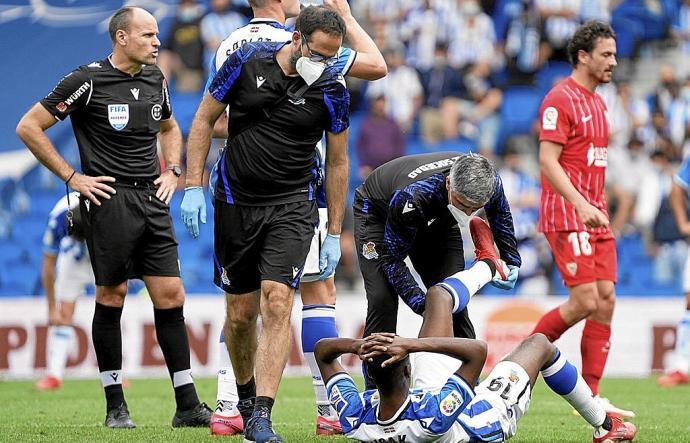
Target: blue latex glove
[[193, 207], [509, 282], [330, 256]]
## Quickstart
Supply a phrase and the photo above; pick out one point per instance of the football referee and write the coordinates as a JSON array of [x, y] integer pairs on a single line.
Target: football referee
[[120, 108]]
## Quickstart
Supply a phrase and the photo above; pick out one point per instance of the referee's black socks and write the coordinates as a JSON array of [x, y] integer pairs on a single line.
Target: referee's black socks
[[172, 338], [107, 342]]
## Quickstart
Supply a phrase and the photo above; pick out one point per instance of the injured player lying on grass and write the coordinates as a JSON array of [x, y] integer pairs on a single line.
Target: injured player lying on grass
[[443, 405]]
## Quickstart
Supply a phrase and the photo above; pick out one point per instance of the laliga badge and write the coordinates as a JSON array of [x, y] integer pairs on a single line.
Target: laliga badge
[[118, 116], [369, 251]]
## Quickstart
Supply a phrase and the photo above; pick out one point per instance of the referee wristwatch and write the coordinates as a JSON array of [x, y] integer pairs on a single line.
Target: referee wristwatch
[[175, 170]]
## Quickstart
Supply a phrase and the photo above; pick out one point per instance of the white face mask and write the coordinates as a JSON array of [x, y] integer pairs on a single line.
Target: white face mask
[[309, 70], [459, 216]]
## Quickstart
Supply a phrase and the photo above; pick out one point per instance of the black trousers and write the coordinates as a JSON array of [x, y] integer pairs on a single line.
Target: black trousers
[[437, 253]]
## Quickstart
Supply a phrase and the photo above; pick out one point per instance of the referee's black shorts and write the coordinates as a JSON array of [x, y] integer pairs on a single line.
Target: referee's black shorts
[[131, 235], [255, 243]]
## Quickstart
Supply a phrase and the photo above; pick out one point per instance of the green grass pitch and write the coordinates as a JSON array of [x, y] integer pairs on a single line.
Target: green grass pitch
[[76, 413]]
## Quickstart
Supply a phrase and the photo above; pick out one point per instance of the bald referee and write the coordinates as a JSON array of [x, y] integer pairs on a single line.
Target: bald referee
[[120, 110]]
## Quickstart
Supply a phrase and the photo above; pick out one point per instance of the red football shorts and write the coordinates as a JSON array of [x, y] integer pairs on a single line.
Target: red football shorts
[[584, 257]]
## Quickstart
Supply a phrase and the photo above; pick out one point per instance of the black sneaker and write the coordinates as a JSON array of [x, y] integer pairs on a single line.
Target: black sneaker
[[260, 430], [118, 418], [197, 417]]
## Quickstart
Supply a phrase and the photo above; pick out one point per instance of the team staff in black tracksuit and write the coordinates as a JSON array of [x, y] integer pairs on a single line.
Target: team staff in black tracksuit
[[403, 210], [120, 109], [281, 97]]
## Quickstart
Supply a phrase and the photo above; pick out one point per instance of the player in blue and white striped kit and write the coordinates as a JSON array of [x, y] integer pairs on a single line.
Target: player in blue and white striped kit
[[445, 407], [678, 373], [364, 61], [66, 273]]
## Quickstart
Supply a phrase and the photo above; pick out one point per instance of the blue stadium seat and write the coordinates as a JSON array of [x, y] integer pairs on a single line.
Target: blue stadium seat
[[549, 73], [519, 109]]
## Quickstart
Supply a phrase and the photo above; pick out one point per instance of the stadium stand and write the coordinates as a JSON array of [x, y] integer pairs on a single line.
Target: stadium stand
[[644, 42]]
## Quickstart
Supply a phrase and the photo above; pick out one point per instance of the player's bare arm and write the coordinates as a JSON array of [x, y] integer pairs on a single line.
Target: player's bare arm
[[471, 352], [31, 130], [549, 153], [369, 64], [327, 351], [199, 140], [170, 138], [678, 206], [337, 172], [48, 280]]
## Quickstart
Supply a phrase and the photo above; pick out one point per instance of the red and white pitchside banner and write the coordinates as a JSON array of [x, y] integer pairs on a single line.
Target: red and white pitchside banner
[[643, 333]]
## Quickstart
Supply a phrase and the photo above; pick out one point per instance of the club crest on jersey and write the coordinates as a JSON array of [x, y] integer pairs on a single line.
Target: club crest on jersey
[[369, 251], [451, 403], [118, 116], [597, 156], [571, 267], [549, 119], [224, 277]]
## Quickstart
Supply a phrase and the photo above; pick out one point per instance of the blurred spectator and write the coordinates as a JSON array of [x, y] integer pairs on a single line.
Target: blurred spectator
[[379, 139], [663, 95], [652, 188], [620, 121], [680, 31], [670, 248], [424, 27], [401, 89], [220, 21], [677, 115], [660, 137], [527, 145], [525, 51], [477, 109], [523, 193], [472, 38], [442, 89], [388, 14], [595, 10], [561, 19], [182, 52], [626, 165]]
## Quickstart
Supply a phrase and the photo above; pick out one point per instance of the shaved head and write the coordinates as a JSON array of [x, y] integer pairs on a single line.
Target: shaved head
[[122, 19]]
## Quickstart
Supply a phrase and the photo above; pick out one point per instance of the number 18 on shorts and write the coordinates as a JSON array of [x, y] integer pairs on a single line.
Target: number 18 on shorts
[[584, 257]]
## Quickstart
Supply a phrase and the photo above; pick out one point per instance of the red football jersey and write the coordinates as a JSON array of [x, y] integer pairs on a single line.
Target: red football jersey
[[576, 118]]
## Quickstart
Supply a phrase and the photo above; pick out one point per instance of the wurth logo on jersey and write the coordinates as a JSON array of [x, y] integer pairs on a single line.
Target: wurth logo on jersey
[[62, 106], [597, 156]]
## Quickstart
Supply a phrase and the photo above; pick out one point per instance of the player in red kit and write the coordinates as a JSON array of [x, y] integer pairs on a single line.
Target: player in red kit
[[573, 217]]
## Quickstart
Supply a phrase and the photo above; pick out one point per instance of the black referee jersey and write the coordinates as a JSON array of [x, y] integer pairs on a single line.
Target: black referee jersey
[[115, 116]]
